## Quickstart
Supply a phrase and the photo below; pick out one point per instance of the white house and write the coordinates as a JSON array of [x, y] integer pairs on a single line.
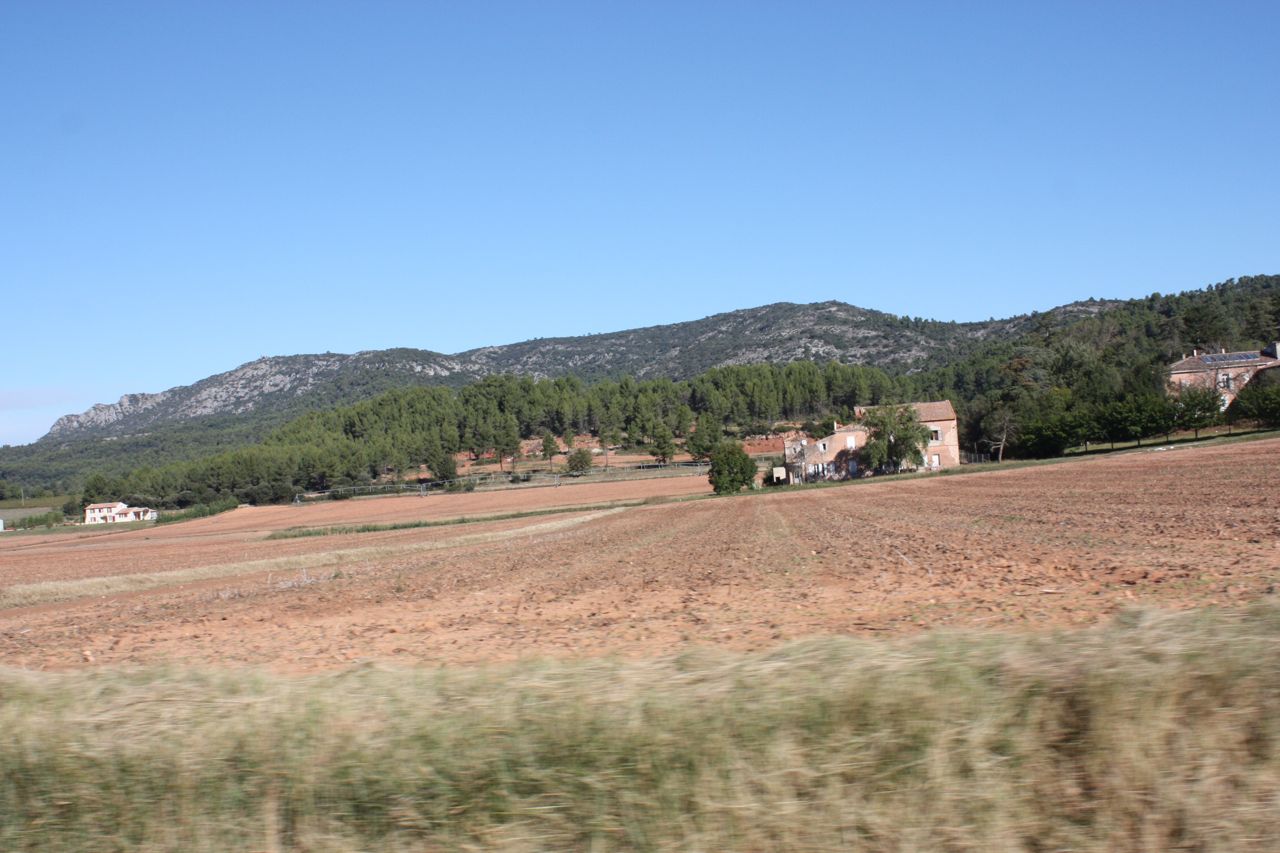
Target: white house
[[118, 511]]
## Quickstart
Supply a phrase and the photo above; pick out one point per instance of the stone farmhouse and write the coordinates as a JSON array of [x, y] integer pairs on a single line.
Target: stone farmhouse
[[835, 457], [1226, 371], [112, 513]]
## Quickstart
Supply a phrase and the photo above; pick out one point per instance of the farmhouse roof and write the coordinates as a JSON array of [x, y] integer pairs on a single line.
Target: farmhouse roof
[[933, 410], [106, 506], [1204, 362]]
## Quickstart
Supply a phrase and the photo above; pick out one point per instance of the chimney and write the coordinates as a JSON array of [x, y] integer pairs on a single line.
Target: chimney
[[1222, 349], [1195, 352]]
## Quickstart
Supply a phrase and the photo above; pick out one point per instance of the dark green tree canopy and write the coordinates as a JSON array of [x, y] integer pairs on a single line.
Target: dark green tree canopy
[[705, 438], [664, 445], [895, 437], [1259, 400], [1196, 408], [731, 468]]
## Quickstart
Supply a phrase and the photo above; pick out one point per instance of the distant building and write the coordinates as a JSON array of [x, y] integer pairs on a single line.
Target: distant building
[[836, 457], [112, 513], [1228, 372]]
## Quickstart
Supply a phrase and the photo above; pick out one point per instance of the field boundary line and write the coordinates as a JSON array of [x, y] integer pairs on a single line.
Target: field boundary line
[[51, 592], [302, 532]]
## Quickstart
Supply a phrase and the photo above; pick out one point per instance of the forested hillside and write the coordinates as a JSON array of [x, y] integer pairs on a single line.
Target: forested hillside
[[1100, 378], [243, 405], [1103, 376], [267, 391], [1083, 373], [400, 430]]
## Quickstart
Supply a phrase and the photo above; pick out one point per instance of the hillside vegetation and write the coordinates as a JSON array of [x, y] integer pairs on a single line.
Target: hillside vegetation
[[1101, 377], [269, 389], [1030, 387], [399, 431], [1156, 733]]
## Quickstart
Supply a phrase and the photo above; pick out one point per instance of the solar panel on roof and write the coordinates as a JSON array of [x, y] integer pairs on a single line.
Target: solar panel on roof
[[1228, 357]]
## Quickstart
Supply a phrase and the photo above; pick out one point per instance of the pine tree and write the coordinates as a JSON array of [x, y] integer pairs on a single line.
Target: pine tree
[[549, 447], [664, 446], [704, 439]]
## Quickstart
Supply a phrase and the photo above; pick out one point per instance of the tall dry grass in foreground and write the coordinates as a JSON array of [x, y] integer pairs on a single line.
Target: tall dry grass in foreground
[[1156, 733]]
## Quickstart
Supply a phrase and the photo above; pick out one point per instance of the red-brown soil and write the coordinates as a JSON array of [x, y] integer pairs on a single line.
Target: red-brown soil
[[1060, 544]]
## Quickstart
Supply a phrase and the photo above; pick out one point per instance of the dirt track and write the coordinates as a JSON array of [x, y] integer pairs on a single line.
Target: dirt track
[[1059, 544]]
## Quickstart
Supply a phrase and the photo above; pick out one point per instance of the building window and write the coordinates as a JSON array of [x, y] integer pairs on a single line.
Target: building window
[[935, 436], [1224, 381]]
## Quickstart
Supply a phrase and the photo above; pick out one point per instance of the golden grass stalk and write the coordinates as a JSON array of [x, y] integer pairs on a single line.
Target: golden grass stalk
[[1155, 733]]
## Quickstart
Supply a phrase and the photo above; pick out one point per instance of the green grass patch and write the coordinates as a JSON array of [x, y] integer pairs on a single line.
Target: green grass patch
[[45, 501], [1154, 733], [48, 520], [85, 530]]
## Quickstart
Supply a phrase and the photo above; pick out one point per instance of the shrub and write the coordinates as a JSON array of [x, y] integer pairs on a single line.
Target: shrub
[[52, 518], [579, 461], [1257, 402], [199, 511], [731, 468]]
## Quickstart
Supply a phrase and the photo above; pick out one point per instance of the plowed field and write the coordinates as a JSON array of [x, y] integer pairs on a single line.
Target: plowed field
[[1058, 544]]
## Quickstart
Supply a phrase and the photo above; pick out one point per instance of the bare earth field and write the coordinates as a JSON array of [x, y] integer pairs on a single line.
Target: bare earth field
[[1055, 545]]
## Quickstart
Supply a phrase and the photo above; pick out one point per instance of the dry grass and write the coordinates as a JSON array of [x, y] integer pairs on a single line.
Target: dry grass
[[49, 592], [1156, 733]]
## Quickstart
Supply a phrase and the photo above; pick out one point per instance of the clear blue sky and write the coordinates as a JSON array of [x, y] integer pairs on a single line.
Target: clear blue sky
[[187, 186]]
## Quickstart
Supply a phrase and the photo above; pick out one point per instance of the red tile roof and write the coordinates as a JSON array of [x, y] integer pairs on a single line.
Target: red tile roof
[[934, 410]]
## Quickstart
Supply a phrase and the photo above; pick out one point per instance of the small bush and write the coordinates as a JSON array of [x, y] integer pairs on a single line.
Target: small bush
[[579, 461], [731, 468]]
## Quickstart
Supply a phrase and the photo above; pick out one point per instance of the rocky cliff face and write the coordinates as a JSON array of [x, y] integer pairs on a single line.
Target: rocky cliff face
[[104, 415], [277, 384], [287, 385]]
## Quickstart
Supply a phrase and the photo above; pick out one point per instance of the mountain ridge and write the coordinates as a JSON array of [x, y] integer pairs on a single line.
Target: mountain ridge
[[278, 386], [1040, 366]]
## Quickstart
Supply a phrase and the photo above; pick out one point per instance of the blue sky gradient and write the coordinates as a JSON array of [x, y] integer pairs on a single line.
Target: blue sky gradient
[[187, 186]]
